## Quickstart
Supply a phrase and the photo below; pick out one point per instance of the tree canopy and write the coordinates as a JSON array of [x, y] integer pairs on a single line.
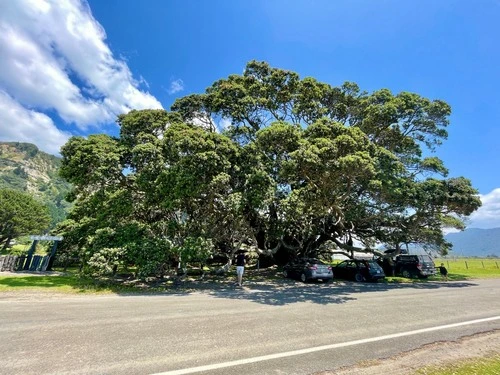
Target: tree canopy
[[20, 214], [304, 168]]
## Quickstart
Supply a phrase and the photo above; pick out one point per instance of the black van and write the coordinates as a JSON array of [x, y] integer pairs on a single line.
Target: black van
[[421, 266]]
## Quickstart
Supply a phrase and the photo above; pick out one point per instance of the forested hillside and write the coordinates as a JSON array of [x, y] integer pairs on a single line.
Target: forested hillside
[[23, 167]]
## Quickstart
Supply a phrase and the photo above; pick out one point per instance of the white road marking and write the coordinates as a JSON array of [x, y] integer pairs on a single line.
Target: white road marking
[[320, 348]]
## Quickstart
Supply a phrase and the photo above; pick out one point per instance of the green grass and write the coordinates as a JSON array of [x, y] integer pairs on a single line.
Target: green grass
[[61, 284], [470, 268], [481, 366]]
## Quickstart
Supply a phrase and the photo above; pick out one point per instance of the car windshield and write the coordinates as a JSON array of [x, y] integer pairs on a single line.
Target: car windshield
[[372, 264], [425, 259]]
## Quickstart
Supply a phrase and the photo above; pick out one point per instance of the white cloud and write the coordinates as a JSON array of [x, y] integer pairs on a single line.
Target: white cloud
[[54, 57], [488, 215], [224, 123], [18, 124], [203, 120], [176, 86]]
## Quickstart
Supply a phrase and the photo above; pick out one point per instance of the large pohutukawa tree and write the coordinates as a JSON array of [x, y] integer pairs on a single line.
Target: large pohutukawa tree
[[303, 167], [342, 163]]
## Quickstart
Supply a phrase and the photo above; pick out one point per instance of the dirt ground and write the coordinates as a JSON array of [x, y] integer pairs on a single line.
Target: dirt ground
[[436, 354]]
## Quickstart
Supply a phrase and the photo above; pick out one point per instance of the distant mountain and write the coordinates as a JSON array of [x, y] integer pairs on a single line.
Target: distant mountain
[[24, 167], [475, 242]]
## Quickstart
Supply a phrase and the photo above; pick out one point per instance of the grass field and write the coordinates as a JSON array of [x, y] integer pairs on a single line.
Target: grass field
[[471, 267]]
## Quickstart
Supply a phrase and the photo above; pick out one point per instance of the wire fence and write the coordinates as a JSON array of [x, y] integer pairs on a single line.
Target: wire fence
[[470, 264]]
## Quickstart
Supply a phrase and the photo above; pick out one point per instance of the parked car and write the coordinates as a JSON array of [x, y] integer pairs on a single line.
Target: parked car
[[359, 270], [308, 269], [421, 266]]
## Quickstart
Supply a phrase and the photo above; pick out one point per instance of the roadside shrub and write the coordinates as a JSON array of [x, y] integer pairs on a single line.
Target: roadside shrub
[[104, 262], [151, 257]]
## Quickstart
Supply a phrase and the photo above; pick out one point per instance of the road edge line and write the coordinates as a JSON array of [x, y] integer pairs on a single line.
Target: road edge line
[[292, 353]]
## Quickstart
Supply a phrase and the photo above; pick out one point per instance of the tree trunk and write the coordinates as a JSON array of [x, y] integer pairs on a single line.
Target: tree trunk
[[7, 243]]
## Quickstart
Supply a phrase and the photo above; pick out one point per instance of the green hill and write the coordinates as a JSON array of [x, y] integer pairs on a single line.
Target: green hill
[[475, 242], [24, 167]]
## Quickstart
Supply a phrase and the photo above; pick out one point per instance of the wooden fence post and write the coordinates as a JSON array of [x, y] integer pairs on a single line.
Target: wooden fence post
[[466, 265]]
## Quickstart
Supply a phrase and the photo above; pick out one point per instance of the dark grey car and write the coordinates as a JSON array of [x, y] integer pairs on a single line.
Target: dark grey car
[[308, 269], [421, 266], [359, 270]]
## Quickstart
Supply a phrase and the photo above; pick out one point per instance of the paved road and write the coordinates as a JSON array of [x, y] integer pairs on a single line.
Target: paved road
[[159, 334]]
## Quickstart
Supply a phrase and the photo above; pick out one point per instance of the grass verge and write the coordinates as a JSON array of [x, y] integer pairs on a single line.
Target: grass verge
[[71, 282], [480, 366], [64, 284]]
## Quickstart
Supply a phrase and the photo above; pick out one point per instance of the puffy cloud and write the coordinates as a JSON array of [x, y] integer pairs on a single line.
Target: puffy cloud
[[204, 121], [176, 86], [18, 124], [224, 123], [488, 215], [54, 57]]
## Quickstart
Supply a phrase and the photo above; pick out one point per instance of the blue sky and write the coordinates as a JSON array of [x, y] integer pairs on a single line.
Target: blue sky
[[69, 67]]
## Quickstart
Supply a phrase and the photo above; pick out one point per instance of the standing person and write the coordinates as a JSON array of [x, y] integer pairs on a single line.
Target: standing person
[[240, 266], [443, 271], [392, 266]]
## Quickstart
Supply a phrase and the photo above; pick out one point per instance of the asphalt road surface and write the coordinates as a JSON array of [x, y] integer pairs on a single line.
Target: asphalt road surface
[[287, 328]]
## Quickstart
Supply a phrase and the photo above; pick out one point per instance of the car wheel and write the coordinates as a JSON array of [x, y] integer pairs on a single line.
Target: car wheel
[[285, 274], [406, 274], [359, 277], [303, 277]]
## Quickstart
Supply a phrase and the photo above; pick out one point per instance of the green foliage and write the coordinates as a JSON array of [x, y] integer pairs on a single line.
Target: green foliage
[[20, 214], [302, 165], [194, 249], [150, 256], [12, 181], [105, 261]]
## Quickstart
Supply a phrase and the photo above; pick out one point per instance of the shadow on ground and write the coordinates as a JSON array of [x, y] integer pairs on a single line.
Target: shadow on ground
[[284, 292], [270, 288], [265, 287]]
